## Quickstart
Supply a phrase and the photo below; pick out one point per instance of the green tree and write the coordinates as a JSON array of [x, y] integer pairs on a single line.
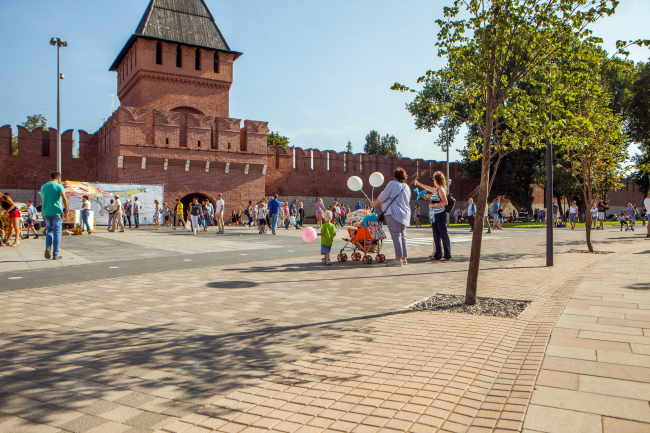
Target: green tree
[[591, 141], [384, 146], [639, 125], [516, 178], [275, 139], [496, 47], [32, 122], [348, 148], [35, 121]]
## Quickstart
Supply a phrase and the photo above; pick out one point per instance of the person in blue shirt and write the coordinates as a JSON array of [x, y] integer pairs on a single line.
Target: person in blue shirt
[[274, 211], [55, 210], [293, 212], [495, 213], [358, 206]]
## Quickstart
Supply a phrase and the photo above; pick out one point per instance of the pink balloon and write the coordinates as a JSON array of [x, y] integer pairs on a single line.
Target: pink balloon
[[309, 234]]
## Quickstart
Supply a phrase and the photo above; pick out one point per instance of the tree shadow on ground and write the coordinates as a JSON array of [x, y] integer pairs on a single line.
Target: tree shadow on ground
[[638, 286], [350, 266], [183, 366]]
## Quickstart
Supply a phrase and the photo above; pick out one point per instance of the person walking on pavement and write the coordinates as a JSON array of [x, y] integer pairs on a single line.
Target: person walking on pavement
[[194, 213], [602, 208], [301, 214], [594, 216], [573, 215], [85, 214], [178, 214], [136, 212], [127, 213], [471, 214], [319, 207], [395, 204], [416, 215], [13, 215], [293, 213], [218, 214], [109, 209], [55, 208], [646, 204], [274, 212], [495, 214], [117, 215]]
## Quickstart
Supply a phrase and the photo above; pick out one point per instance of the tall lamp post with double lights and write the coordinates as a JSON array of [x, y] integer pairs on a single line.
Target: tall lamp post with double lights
[[58, 43]]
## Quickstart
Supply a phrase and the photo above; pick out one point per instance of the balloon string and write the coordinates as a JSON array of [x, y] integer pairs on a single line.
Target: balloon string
[[366, 196]]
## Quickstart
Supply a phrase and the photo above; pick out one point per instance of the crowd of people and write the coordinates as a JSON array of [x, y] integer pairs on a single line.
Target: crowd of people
[[393, 207]]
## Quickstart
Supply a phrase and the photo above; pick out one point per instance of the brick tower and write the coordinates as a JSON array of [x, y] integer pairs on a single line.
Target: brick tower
[[173, 127], [176, 58]]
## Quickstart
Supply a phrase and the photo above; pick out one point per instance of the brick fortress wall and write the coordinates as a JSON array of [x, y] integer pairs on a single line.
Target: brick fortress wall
[[37, 153], [325, 173]]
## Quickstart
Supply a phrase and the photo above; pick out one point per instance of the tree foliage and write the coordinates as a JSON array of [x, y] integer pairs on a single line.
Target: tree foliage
[[639, 125], [35, 121], [348, 148], [378, 145], [32, 122], [275, 139]]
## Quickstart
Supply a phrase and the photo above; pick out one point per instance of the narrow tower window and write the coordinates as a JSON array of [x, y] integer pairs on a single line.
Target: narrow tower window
[[158, 53], [179, 57], [216, 62], [197, 59]]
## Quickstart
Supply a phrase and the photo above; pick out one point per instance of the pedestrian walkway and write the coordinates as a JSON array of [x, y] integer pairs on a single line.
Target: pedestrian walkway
[[434, 371], [289, 345], [596, 373]]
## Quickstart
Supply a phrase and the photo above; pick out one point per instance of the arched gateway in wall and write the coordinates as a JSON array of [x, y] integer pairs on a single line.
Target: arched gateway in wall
[[189, 197]]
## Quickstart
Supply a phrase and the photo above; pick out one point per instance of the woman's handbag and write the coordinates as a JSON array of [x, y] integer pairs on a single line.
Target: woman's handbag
[[450, 203], [381, 218]]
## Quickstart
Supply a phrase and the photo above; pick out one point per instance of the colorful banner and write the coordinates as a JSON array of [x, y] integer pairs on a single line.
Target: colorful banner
[[127, 192]]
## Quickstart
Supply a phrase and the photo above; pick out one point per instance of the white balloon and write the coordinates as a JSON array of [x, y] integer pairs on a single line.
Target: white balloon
[[355, 183], [376, 179]]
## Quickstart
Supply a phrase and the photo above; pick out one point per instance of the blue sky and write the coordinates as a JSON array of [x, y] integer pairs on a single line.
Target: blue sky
[[319, 72]]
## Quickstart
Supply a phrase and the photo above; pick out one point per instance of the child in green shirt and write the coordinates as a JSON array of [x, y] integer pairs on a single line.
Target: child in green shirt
[[327, 234]]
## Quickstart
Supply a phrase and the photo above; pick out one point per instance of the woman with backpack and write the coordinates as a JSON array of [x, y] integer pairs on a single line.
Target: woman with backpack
[[439, 224]]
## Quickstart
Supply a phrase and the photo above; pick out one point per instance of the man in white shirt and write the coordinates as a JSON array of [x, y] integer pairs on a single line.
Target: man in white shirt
[[218, 213], [117, 215], [646, 204]]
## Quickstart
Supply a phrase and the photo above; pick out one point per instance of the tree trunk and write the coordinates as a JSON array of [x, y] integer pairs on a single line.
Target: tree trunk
[[588, 219], [477, 237]]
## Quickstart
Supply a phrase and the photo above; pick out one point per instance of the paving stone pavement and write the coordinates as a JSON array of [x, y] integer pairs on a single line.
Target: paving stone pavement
[[596, 373], [281, 345]]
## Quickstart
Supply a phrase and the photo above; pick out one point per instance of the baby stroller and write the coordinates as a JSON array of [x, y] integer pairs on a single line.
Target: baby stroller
[[364, 239]]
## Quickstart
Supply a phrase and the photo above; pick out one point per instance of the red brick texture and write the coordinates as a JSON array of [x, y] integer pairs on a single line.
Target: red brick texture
[[282, 178]]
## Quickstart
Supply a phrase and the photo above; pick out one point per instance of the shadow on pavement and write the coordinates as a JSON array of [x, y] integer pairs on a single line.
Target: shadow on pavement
[[186, 366], [639, 286]]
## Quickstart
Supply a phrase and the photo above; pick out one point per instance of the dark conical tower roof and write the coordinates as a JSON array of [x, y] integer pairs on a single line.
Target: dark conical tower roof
[[187, 22]]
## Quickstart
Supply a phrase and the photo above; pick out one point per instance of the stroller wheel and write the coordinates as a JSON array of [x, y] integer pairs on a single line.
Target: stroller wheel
[[380, 258], [342, 257], [367, 260], [356, 256]]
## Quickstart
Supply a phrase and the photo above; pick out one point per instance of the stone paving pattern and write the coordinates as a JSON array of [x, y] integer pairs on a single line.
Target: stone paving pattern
[[291, 346]]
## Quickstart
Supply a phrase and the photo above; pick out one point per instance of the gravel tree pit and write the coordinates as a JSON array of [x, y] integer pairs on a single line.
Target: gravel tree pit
[[495, 307], [587, 251]]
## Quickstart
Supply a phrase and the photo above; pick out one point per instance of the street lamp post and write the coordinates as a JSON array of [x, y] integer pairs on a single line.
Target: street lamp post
[[549, 189], [58, 43]]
